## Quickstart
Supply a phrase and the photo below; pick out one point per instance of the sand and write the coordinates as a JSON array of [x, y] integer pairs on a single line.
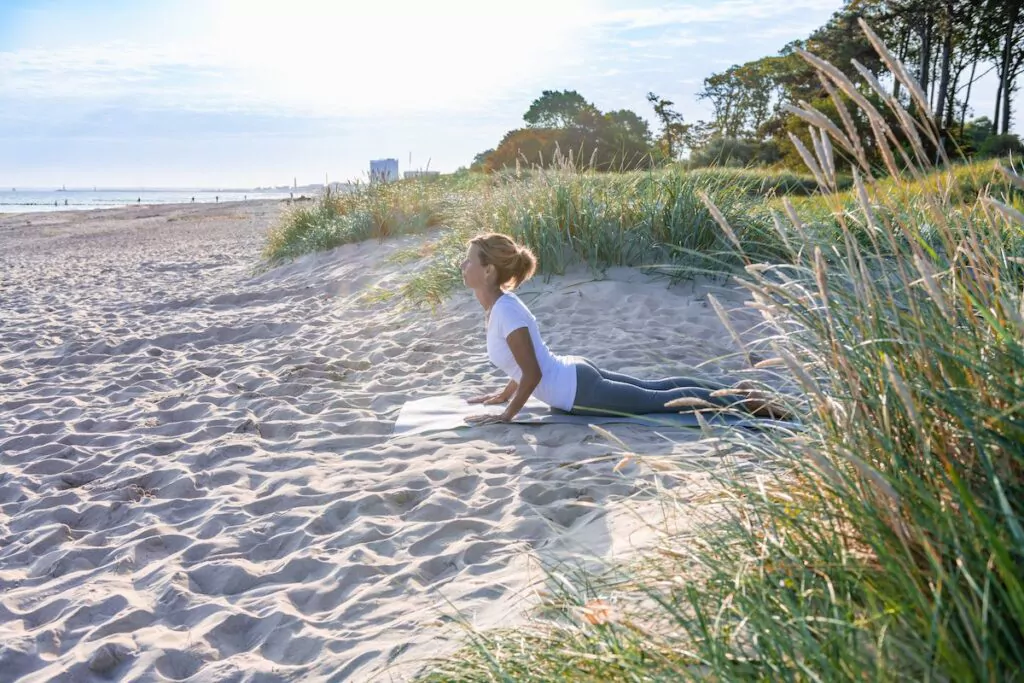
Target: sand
[[196, 475]]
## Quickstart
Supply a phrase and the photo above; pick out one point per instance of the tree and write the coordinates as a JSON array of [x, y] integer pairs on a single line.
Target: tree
[[630, 124], [946, 38], [672, 127], [720, 151], [557, 109], [947, 29], [975, 133], [480, 160], [698, 134], [746, 97], [1001, 146], [530, 145], [961, 27], [943, 40], [969, 51], [564, 122], [725, 92], [1011, 59], [947, 44], [624, 141]]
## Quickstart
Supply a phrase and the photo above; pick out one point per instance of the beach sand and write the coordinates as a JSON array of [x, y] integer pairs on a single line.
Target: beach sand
[[196, 475]]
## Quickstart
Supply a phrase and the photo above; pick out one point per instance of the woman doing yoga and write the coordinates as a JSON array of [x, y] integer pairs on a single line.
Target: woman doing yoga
[[494, 266]]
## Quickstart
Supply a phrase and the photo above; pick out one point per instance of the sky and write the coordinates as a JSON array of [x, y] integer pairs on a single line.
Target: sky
[[247, 93]]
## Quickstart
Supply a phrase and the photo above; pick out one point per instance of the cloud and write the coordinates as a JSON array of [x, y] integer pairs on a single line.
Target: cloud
[[96, 71], [787, 31], [666, 39], [327, 59], [320, 59], [224, 89], [731, 10]]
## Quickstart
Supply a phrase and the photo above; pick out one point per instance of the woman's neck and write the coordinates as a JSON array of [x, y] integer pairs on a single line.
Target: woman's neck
[[487, 297]]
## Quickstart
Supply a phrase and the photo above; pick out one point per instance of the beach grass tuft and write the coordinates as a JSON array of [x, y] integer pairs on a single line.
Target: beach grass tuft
[[376, 211]]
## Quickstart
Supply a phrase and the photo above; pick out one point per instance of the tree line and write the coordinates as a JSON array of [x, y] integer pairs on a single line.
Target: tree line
[[947, 45]]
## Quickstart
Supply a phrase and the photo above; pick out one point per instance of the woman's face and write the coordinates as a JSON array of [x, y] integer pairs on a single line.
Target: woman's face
[[473, 273]]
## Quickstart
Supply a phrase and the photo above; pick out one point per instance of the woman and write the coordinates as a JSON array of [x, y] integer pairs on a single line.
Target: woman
[[494, 266]]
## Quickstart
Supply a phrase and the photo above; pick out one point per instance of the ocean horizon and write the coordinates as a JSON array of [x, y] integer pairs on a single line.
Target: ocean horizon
[[30, 200]]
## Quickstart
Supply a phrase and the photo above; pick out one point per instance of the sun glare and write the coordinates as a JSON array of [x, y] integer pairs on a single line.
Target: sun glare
[[329, 59]]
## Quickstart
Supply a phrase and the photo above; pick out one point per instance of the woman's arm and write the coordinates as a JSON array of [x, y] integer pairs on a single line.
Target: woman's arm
[[507, 392], [521, 345]]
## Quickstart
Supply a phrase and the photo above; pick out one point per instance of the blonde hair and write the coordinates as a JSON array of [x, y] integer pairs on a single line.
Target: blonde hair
[[514, 263]]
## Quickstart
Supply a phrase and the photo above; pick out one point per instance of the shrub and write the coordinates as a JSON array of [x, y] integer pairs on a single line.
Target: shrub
[[722, 151], [1001, 146]]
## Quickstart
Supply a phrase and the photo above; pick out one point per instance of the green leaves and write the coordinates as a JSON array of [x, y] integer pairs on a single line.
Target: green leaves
[[557, 109]]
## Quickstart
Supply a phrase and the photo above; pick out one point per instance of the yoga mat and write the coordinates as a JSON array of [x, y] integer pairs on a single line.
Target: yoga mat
[[441, 413]]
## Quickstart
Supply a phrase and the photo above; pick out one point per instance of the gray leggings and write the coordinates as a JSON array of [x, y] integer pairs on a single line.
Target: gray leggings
[[601, 392]]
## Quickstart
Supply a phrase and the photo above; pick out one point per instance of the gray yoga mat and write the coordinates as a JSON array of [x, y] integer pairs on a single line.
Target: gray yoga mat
[[441, 413]]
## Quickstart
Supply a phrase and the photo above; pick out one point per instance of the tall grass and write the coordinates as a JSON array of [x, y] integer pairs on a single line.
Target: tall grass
[[568, 215], [884, 541], [637, 218], [571, 217], [768, 183], [375, 211], [958, 187]]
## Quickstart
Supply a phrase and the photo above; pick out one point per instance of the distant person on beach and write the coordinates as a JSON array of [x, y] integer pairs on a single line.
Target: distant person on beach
[[217, 198], [193, 200], [494, 266]]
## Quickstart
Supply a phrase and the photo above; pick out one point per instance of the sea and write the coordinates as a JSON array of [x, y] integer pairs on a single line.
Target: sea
[[21, 201]]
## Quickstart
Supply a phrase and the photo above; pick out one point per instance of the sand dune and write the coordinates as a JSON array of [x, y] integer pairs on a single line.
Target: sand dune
[[196, 475]]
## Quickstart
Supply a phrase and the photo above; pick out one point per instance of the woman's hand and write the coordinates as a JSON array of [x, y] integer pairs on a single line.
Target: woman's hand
[[488, 419], [494, 399], [488, 400]]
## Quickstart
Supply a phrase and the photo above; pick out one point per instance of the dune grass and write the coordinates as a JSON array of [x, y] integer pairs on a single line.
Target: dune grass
[[903, 200], [655, 219], [375, 211], [566, 215], [763, 182], [885, 540]]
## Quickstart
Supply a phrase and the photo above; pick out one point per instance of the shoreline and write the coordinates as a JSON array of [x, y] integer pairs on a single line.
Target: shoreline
[[174, 206]]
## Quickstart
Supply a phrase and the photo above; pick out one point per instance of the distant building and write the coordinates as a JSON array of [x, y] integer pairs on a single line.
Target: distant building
[[421, 174], [383, 170]]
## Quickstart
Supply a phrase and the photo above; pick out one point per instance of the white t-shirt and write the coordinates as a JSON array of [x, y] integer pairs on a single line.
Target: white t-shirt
[[557, 386]]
